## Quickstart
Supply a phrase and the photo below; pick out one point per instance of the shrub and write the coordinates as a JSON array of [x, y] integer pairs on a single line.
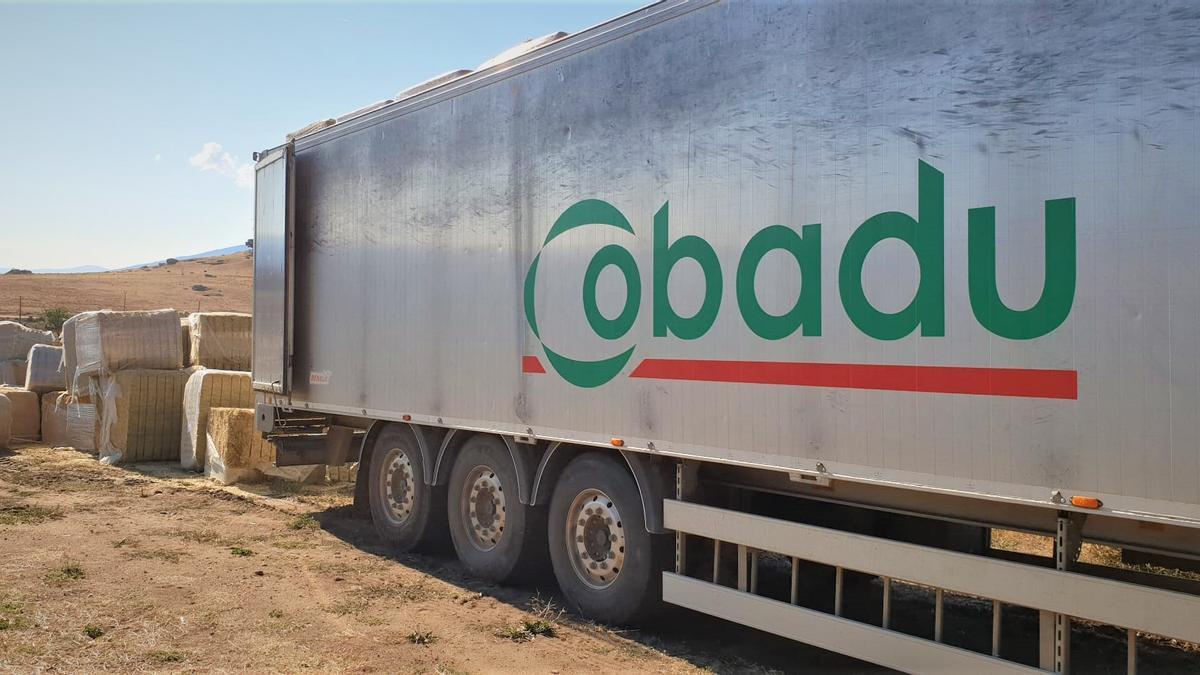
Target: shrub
[[54, 318]]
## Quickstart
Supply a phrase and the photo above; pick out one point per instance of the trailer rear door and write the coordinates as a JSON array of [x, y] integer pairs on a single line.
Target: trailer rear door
[[273, 244]]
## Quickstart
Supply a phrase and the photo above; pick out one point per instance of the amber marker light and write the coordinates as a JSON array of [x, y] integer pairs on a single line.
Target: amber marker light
[[1086, 502], [618, 442]]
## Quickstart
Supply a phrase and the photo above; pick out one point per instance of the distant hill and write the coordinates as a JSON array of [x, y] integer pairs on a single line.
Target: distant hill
[[215, 253], [82, 269], [91, 269]]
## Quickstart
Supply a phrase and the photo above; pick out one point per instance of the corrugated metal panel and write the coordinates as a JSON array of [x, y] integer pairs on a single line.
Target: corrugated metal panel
[[418, 226]]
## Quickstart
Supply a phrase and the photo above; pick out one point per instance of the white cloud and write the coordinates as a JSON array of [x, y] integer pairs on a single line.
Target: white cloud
[[157, 157], [213, 157]]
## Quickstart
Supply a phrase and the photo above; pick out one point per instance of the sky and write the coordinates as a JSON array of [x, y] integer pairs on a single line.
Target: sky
[[129, 128]]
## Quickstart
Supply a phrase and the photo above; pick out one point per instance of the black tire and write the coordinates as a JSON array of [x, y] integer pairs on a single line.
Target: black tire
[[496, 536], [413, 518], [634, 592]]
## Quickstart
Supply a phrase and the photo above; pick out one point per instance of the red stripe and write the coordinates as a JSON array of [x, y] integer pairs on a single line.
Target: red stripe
[[1061, 384], [531, 364]]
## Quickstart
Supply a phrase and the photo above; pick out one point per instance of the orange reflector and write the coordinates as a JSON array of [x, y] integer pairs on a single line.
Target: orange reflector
[[406, 418], [1085, 502], [618, 442]]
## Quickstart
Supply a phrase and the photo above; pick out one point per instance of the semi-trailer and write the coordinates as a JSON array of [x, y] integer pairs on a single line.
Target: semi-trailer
[[833, 283]]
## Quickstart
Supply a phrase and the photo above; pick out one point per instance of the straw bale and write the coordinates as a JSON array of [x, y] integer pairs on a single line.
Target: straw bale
[[207, 389]]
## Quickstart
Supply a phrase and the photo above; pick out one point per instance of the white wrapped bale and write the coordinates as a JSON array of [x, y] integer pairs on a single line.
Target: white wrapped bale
[[12, 372], [26, 413], [54, 419], [68, 423], [5, 423], [237, 452], [106, 342], [141, 415], [82, 423], [45, 369], [16, 340], [207, 389], [70, 358], [221, 340]]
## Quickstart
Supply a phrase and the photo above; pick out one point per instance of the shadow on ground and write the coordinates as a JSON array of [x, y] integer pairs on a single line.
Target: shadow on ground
[[702, 640]]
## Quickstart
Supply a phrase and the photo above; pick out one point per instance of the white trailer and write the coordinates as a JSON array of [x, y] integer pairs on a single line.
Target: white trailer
[[837, 282]]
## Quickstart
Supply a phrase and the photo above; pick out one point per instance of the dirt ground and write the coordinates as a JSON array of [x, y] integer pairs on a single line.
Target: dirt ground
[[227, 283], [150, 568]]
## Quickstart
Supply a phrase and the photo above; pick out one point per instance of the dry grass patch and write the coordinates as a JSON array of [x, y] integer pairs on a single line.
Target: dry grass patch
[[304, 523], [28, 514], [12, 616], [68, 572], [166, 656]]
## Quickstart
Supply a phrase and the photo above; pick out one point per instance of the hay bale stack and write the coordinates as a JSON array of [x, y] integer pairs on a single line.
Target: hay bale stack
[[107, 342], [16, 340], [221, 340], [141, 414], [12, 372], [5, 423], [45, 369], [26, 413], [237, 453], [54, 419], [207, 389]]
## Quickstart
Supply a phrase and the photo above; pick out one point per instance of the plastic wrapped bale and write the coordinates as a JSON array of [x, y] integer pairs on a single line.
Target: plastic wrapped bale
[[221, 340], [207, 389], [70, 358], [45, 369], [26, 413], [12, 373], [141, 415], [5, 423], [16, 340], [237, 452], [106, 342], [54, 419], [82, 423], [185, 340]]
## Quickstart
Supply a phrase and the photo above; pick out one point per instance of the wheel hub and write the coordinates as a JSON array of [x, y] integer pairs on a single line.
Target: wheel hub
[[483, 508], [400, 486], [597, 537]]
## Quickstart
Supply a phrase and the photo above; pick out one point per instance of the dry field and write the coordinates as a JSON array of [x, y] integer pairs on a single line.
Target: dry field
[[227, 283]]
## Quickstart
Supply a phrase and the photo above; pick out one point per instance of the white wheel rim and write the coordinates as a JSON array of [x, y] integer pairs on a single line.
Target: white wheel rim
[[595, 538], [399, 486], [483, 508]]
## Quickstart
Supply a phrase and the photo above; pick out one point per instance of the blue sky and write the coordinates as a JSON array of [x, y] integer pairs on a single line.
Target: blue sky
[[111, 112]]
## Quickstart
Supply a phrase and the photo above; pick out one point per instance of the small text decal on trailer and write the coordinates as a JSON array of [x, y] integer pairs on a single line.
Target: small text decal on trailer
[[924, 235], [320, 377]]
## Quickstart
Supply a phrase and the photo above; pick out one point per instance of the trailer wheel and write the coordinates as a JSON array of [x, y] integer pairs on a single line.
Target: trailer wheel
[[607, 565], [496, 536], [408, 514]]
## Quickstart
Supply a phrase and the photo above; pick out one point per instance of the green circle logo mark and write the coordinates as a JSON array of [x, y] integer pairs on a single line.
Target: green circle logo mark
[[592, 373]]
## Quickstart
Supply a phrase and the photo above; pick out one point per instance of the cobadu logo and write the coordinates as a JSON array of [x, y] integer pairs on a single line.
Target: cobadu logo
[[924, 235]]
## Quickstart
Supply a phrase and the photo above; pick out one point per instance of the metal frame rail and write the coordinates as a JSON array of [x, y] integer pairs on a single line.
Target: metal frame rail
[[1059, 594]]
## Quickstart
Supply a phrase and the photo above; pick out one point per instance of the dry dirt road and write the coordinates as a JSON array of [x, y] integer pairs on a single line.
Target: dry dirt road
[[149, 568]]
